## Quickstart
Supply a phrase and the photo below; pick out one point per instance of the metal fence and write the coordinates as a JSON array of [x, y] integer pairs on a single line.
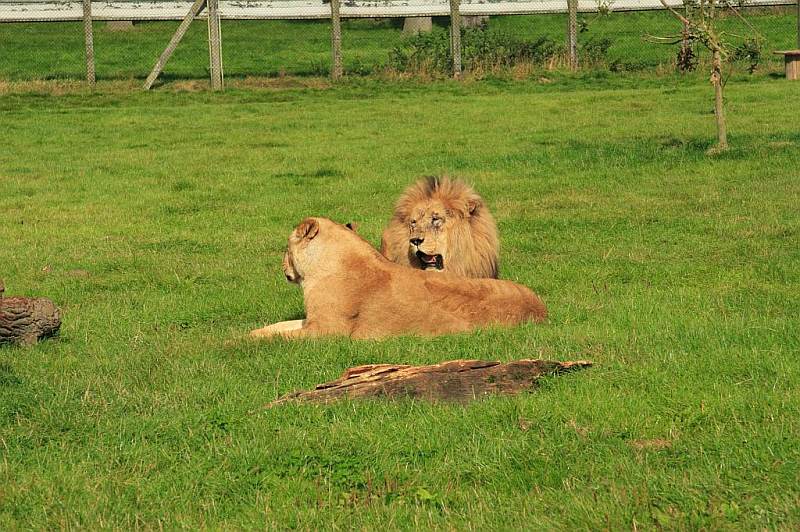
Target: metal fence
[[124, 39]]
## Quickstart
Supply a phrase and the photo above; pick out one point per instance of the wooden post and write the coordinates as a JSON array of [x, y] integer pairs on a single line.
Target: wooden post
[[455, 37], [89, 37], [173, 43], [336, 40], [215, 45], [572, 33]]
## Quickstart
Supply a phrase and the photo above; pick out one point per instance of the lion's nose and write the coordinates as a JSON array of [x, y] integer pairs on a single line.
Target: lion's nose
[[417, 241]]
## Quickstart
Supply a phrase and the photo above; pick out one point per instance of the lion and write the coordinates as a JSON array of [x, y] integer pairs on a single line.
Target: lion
[[349, 289], [442, 224]]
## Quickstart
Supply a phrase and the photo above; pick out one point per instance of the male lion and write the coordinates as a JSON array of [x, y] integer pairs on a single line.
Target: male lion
[[349, 289], [442, 224]]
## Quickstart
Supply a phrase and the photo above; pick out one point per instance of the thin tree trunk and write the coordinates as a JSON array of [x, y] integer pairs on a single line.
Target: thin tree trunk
[[89, 40], [572, 33], [336, 40], [215, 45], [719, 109], [455, 36]]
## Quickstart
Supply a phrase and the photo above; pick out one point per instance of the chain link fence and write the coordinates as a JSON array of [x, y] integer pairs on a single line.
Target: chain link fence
[[42, 39]]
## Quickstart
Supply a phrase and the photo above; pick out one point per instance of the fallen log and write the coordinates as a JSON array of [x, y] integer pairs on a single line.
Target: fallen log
[[456, 380], [26, 320]]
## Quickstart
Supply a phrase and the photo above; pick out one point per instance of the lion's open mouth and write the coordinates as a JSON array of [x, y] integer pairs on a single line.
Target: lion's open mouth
[[430, 262]]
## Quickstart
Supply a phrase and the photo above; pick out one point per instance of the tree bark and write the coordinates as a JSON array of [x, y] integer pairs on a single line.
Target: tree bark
[[336, 40], [215, 45], [572, 33], [719, 108], [25, 320], [455, 37], [89, 40], [458, 381]]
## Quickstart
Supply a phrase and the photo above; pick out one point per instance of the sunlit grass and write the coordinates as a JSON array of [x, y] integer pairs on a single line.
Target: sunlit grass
[[157, 221]]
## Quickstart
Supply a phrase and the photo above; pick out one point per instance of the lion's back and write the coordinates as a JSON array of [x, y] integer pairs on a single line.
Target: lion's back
[[482, 301]]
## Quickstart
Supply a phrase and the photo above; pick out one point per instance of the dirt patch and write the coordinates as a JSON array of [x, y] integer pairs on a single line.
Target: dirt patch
[[655, 444]]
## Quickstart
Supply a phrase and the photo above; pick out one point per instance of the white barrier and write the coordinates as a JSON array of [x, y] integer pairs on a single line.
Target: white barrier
[[305, 9]]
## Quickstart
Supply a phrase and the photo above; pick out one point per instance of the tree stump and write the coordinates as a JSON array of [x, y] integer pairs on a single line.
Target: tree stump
[[474, 21], [26, 320], [456, 381], [415, 25], [119, 25]]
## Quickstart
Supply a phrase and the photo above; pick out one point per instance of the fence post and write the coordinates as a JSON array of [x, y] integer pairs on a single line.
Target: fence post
[[173, 43], [89, 37], [455, 37], [572, 33], [215, 45], [336, 40]]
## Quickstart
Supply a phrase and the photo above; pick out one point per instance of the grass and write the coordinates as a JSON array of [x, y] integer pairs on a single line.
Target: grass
[[157, 221], [276, 48]]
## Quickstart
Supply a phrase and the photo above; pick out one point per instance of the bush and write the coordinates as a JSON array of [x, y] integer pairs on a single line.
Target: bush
[[595, 50], [482, 49], [749, 51]]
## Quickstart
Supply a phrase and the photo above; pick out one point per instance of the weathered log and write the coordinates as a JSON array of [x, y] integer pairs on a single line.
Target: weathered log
[[26, 320], [456, 380]]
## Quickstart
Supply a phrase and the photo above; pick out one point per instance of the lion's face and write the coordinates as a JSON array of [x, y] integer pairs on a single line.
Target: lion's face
[[442, 224], [295, 258], [291, 273], [428, 228]]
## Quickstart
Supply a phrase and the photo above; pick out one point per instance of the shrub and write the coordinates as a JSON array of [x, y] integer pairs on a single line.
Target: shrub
[[482, 49], [595, 50], [749, 51]]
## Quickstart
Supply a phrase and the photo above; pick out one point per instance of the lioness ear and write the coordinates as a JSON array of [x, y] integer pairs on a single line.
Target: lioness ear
[[473, 204], [352, 226], [308, 229]]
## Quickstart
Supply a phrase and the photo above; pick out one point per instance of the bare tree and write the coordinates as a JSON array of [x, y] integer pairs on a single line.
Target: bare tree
[[699, 24]]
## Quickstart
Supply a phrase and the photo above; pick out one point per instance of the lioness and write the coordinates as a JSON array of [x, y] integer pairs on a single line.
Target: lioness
[[349, 289], [442, 224]]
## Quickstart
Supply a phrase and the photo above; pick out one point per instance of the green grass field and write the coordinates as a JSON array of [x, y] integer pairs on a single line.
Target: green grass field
[[157, 221], [273, 48]]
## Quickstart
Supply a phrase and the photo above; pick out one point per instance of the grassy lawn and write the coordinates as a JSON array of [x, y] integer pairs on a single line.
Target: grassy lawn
[[273, 48], [157, 221]]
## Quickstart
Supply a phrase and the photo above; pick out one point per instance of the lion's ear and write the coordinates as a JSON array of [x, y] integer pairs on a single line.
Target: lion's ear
[[473, 204], [307, 229], [352, 226]]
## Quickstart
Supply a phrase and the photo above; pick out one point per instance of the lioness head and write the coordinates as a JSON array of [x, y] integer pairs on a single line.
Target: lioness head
[[442, 224], [312, 243]]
